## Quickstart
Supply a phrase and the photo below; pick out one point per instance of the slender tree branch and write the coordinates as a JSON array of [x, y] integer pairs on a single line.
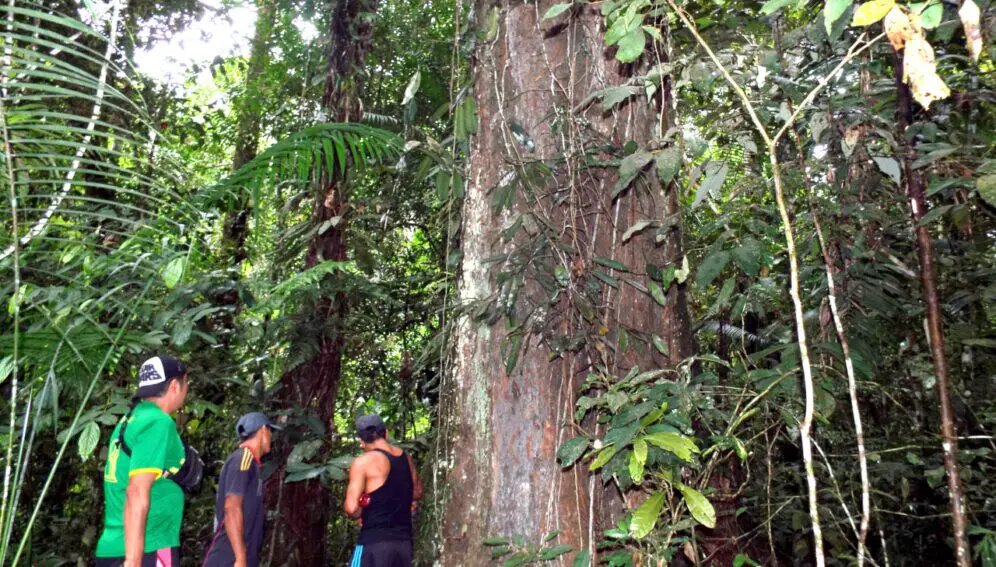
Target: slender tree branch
[[852, 389]]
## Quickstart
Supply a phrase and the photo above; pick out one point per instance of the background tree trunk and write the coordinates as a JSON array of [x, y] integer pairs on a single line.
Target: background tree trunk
[[916, 194], [312, 386]]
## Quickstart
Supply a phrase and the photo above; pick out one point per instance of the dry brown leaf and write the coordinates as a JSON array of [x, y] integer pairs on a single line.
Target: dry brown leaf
[[898, 27], [920, 72], [970, 15]]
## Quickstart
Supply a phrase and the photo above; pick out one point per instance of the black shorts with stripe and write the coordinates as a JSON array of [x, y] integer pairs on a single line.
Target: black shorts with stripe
[[397, 553]]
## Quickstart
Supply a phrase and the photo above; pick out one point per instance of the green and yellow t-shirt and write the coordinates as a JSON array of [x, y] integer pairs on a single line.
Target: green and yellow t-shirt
[[155, 448]]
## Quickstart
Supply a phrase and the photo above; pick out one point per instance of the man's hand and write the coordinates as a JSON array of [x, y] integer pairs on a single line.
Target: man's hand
[[240, 563]]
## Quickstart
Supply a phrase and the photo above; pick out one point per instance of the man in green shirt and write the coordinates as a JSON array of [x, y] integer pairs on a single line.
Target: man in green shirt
[[143, 508]]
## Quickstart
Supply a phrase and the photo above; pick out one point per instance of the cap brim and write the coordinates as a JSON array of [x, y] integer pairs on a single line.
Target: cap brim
[[275, 427]]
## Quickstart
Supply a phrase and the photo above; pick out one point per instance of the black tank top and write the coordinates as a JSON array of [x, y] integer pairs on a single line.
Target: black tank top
[[388, 517]]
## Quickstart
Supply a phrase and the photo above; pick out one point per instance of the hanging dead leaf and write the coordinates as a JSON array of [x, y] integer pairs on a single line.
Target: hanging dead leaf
[[920, 72], [898, 27], [970, 15]]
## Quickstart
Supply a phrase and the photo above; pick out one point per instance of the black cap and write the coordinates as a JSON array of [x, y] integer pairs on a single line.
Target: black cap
[[250, 423], [370, 424], [155, 373]]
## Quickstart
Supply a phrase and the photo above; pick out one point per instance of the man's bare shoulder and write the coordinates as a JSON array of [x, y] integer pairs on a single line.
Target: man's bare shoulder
[[367, 460]]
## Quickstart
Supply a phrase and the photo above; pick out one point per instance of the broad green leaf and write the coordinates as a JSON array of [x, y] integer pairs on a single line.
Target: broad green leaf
[[871, 12], [657, 292], [715, 175], [181, 331], [932, 15], [645, 517], [772, 6], [614, 95], [640, 450], [748, 256], [442, 184], [631, 46], [582, 559], [513, 346], [660, 345], [495, 541], [610, 263], [603, 457], [606, 278], [469, 115], [668, 164], [335, 473], [572, 449], [556, 10], [933, 156], [635, 468], [173, 271], [551, 553], [698, 505], [890, 167], [675, 443], [519, 558], [630, 167], [833, 10], [305, 474], [89, 438], [412, 89], [711, 267]]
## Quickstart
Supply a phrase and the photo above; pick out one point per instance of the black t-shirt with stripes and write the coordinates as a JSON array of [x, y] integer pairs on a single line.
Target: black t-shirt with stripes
[[240, 476]]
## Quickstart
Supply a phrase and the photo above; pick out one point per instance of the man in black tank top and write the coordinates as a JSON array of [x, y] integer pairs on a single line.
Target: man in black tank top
[[382, 494]]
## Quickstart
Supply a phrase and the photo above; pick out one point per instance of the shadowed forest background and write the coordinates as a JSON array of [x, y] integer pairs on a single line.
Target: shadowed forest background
[[637, 282]]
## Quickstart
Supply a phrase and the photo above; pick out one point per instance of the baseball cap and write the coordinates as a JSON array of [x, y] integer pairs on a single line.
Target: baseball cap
[[370, 423], [155, 373], [250, 423]]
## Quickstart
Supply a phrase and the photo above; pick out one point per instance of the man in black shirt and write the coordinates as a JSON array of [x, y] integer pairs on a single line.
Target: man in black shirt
[[239, 508], [382, 493]]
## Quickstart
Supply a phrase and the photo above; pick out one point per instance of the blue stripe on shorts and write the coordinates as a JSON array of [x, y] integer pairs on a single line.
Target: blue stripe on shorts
[[357, 556]]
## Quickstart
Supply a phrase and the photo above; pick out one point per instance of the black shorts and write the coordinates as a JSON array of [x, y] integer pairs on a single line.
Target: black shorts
[[382, 554], [168, 557]]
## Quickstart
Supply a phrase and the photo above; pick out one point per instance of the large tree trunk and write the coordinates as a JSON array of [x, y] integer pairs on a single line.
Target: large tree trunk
[[312, 386], [502, 422]]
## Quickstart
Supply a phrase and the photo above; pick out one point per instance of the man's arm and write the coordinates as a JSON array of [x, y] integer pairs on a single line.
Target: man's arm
[[233, 527], [136, 511], [357, 482]]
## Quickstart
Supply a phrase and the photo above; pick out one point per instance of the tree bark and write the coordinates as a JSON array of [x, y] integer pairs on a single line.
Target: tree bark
[[935, 324], [503, 424], [313, 386]]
